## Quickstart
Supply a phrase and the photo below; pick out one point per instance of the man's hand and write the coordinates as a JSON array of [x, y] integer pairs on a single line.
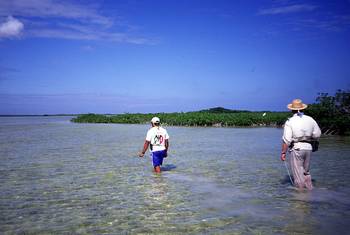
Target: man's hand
[[283, 156], [141, 154], [144, 149]]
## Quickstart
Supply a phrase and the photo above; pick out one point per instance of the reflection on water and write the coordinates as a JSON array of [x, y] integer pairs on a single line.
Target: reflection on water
[[60, 177]]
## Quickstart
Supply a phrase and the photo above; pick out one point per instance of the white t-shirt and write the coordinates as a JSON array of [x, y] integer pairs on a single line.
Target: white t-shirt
[[157, 136], [300, 126]]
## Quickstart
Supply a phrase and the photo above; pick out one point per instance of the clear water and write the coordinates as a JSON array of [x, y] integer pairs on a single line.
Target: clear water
[[58, 177]]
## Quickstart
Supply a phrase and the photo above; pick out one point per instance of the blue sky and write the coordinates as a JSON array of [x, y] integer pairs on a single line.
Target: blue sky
[[169, 56]]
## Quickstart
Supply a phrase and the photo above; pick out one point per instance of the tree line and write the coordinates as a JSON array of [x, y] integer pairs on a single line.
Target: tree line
[[331, 112], [219, 117]]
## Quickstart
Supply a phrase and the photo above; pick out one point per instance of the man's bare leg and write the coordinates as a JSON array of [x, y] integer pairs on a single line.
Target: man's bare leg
[[157, 169]]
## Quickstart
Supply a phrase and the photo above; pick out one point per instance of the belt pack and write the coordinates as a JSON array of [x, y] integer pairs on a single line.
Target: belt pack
[[314, 144]]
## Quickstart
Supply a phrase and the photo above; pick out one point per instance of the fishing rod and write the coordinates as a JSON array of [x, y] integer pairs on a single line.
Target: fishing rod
[[285, 164]]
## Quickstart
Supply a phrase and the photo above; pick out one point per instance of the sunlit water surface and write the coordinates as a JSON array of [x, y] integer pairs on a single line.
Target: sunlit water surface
[[65, 178]]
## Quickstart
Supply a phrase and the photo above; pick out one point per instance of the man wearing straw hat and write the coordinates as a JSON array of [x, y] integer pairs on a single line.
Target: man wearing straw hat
[[158, 139], [299, 132]]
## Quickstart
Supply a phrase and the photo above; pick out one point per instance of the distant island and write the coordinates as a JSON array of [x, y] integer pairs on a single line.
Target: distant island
[[216, 117], [331, 112]]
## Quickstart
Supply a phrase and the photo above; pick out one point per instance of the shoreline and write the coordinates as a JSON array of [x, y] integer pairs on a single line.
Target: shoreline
[[193, 119], [193, 126]]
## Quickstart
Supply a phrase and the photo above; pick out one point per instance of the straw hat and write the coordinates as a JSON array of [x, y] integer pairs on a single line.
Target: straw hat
[[296, 104]]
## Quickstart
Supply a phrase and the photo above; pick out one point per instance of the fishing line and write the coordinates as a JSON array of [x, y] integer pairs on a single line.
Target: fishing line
[[285, 164]]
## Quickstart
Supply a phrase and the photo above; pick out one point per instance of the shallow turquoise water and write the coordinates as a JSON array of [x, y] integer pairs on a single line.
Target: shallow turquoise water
[[59, 177]]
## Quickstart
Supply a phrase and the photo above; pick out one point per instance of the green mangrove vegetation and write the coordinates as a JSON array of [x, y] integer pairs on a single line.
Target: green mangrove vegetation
[[212, 117], [331, 112]]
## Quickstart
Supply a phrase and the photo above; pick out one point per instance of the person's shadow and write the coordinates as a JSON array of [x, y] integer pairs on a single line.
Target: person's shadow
[[168, 167], [286, 180]]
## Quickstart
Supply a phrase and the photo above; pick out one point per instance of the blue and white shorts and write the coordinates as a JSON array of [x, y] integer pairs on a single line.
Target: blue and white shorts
[[157, 157]]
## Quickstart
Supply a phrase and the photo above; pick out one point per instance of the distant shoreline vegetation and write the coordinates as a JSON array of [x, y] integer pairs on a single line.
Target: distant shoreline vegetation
[[215, 117], [332, 113]]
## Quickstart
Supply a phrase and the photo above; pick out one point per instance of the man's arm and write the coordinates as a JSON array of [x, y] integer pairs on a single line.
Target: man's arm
[[166, 144], [284, 151], [286, 140], [145, 147], [166, 147], [317, 131]]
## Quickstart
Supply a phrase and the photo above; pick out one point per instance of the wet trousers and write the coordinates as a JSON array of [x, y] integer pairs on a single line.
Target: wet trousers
[[300, 165]]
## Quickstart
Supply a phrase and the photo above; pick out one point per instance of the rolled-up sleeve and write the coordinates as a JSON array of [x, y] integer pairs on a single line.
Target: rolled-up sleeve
[[287, 134], [316, 133]]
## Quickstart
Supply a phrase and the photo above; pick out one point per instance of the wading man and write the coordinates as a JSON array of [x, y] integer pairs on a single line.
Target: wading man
[[158, 139], [299, 135]]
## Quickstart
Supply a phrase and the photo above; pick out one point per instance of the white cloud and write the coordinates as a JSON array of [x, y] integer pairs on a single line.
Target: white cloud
[[71, 20], [329, 23], [11, 28], [318, 18], [52, 8], [287, 9]]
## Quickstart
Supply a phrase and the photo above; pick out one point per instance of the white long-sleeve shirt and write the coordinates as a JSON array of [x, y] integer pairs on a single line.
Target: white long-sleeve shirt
[[299, 127]]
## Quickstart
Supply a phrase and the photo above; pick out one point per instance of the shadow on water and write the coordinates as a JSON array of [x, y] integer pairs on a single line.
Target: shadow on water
[[216, 200], [168, 167], [286, 180]]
